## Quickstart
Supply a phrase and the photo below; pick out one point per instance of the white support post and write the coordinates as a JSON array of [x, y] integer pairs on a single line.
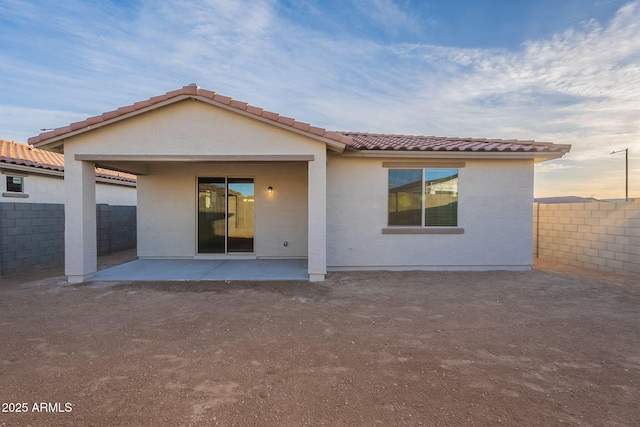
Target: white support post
[[80, 237], [317, 221]]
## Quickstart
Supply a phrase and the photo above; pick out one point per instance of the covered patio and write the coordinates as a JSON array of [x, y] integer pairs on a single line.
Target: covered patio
[[223, 188], [205, 270]]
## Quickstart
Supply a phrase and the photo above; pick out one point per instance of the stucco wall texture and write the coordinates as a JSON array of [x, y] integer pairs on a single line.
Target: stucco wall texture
[[494, 211], [601, 236], [167, 224]]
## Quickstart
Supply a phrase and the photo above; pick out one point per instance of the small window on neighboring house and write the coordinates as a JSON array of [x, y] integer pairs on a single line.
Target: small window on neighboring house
[[15, 184]]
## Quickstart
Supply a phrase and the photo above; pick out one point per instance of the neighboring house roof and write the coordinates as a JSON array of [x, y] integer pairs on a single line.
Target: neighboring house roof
[[564, 199], [350, 141], [13, 153]]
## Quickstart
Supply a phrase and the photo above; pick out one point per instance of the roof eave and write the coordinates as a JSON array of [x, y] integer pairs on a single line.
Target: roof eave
[[485, 155], [58, 140]]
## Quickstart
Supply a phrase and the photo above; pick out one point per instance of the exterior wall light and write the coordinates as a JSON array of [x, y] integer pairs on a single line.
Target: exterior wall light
[[270, 190]]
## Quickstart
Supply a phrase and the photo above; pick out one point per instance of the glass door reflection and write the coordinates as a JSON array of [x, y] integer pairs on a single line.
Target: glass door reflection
[[240, 215], [225, 215]]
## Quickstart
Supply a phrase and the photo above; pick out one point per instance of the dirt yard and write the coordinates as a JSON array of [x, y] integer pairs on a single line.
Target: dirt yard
[[551, 347]]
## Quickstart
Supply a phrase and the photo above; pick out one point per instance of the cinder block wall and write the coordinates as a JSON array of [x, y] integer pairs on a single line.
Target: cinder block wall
[[32, 234], [601, 236], [116, 228]]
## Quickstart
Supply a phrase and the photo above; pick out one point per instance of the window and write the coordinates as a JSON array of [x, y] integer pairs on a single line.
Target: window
[[225, 215], [423, 197], [15, 184]]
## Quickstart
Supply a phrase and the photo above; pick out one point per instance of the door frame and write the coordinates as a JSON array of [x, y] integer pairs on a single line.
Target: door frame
[[226, 254]]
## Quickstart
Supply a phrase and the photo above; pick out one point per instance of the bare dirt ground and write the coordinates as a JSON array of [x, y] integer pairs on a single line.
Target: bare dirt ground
[[552, 347]]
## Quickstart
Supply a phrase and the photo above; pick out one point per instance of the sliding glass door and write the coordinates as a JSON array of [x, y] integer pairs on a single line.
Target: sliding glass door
[[225, 215]]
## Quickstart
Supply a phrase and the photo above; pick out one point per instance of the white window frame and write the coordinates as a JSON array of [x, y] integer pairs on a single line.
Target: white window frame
[[15, 194]]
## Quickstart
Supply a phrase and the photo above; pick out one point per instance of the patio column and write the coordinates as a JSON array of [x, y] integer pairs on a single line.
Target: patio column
[[317, 196], [80, 237]]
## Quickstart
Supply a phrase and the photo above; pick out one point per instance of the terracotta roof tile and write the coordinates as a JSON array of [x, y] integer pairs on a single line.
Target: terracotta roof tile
[[207, 93], [370, 141], [269, 115], [92, 121], [222, 99], [191, 90], [239, 105], [254, 110], [26, 155], [352, 140], [286, 121]]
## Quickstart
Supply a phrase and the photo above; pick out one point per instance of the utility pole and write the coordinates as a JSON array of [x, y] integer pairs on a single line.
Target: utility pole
[[626, 170]]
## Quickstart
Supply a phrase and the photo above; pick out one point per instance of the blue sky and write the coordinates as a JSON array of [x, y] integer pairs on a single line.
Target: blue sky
[[563, 71]]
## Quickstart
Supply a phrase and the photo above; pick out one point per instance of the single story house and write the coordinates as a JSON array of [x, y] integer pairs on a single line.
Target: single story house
[[32, 197], [32, 175], [219, 178]]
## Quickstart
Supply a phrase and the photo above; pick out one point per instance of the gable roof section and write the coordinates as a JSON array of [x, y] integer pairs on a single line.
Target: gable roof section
[[192, 91], [338, 141], [13, 153]]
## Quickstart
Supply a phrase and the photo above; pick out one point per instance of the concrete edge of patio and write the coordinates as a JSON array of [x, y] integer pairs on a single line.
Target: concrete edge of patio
[[201, 270]]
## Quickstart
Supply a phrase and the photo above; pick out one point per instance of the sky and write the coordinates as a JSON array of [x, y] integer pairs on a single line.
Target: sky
[[562, 71]]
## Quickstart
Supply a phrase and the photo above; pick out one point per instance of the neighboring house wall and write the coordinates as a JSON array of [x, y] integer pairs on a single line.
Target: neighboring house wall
[[601, 236], [49, 188], [494, 210]]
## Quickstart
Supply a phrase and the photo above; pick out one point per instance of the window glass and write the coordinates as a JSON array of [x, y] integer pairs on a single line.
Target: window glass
[[436, 207], [405, 189], [15, 184], [440, 197]]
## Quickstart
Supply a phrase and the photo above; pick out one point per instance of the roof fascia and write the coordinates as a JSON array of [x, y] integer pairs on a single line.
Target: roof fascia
[[62, 137], [115, 182], [30, 169], [331, 145], [537, 156]]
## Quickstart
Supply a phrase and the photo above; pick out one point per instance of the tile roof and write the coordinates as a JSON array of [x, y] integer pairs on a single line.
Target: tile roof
[[192, 91], [350, 140], [370, 141], [25, 155]]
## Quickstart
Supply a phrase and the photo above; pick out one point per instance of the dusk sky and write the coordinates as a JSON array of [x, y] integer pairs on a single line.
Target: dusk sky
[[564, 71]]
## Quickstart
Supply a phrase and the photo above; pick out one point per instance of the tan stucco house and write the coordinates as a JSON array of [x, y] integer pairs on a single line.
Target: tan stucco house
[[219, 178]]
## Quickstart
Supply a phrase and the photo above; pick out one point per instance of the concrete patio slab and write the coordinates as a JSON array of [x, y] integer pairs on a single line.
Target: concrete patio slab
[[198, 269]]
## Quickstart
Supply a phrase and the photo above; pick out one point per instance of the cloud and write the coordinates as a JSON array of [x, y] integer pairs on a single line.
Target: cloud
[[580, 86], [389, 16]]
